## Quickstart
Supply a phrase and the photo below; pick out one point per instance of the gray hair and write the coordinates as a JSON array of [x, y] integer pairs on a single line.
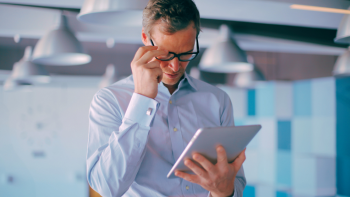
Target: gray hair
[[174, 14]]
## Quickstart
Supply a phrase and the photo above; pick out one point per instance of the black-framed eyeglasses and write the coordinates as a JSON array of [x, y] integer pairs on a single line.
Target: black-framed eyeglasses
[[183, 57]]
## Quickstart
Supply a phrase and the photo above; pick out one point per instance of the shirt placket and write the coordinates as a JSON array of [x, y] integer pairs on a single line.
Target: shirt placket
[[177, 141]]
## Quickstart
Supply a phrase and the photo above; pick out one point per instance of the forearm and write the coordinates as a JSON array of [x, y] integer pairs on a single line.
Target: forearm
[[116, 144], [112, 170]]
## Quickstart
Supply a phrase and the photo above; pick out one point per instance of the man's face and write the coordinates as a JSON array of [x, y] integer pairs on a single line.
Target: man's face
[[179, 42]]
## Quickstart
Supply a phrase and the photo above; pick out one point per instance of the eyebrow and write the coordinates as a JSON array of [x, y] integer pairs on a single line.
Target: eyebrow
[[174, 52], [188, 51]]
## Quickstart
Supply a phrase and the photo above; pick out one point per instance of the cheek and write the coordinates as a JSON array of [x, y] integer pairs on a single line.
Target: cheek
[[183, 65], [163, 64]]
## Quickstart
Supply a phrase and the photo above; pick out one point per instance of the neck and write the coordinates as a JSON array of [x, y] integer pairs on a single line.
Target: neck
[[172, 88]]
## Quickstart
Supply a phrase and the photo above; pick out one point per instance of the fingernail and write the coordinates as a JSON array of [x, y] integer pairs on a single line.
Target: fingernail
[[196, 156]]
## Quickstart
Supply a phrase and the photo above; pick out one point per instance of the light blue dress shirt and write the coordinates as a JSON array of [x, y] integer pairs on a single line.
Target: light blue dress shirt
[[134, 141]]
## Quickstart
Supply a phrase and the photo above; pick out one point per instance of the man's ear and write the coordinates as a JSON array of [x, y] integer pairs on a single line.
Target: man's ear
[[144, 37]]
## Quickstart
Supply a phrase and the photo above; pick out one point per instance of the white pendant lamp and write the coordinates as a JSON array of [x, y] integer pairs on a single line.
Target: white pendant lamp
[[248, 79], [109, 77], [342, 65], [28, 72], [343, 32], [60, 47], [225, 56], [113, 12]]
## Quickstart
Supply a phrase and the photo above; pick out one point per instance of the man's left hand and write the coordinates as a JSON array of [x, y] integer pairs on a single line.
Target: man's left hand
[[219, 178]]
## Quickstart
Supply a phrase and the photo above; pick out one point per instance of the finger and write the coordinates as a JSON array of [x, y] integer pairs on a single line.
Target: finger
[[222, 157], [239, 160], [142, 50], [158, 74], [196, 169], [205, 163], [188, 177], [153, 64], [149, 55]]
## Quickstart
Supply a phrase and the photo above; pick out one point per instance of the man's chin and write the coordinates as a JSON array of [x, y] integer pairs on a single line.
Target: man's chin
[[170, 81]]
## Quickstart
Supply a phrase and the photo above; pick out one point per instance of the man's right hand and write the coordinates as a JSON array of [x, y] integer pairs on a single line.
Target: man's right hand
[[146, 70]]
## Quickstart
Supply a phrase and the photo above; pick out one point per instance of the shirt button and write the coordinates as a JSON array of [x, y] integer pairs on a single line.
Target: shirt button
[[175, 129], [187, 187], [170, 102]]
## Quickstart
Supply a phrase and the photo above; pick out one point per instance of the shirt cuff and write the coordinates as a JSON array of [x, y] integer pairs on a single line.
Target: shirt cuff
[[234, 194], [141, 109]]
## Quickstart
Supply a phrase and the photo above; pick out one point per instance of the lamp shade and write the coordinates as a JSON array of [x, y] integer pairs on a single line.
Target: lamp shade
[[112, 12], [225, 56], [248, 79], [109, 77], [342, 65], [343, 32], [60, 47], [28, 72]]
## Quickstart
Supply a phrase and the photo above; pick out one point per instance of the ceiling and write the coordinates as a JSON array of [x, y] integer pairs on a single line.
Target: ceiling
[[259, 25]]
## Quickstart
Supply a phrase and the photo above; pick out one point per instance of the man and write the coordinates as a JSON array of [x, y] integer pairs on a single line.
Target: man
[[139, 126]]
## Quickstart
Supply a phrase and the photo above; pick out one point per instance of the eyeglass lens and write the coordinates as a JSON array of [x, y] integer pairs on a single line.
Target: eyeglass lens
[[182, 57]]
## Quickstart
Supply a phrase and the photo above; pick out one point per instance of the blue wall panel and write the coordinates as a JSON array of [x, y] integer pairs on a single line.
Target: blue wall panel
[[251, 104], [284, 135], [323, 97], [249, 191], [282, 194], [265, 100], [343, 135], [302, 98], [284, 168]]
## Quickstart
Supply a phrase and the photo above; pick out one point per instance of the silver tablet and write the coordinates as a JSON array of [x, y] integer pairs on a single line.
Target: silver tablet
[[205, 140]]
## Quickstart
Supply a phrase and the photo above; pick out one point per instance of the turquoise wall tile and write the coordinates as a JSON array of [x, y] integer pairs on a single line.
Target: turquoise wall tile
[[252, 159], [284, 168], [284, 100], [324, 136], [302, 135], [282, 194], [304, 175], [302, 98], [265, 100], [343, 135], [249, 191], [267, 167], [264, 190], [284, 135], [251, 104], [343, 175], [323, 97]]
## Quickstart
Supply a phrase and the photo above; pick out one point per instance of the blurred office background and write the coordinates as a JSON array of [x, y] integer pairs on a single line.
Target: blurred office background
[[284, 63]]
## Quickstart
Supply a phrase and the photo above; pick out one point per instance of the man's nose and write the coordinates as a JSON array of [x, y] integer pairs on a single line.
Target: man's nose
[[174, 64]]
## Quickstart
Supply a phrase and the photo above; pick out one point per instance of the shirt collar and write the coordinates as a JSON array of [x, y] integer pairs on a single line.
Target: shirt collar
[[189, 79]]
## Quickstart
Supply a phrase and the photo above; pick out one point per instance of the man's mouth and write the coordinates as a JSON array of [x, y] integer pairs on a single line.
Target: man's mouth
[[171, 76]]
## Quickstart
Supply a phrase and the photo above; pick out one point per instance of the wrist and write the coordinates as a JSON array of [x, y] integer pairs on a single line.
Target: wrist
[[226, 194]]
